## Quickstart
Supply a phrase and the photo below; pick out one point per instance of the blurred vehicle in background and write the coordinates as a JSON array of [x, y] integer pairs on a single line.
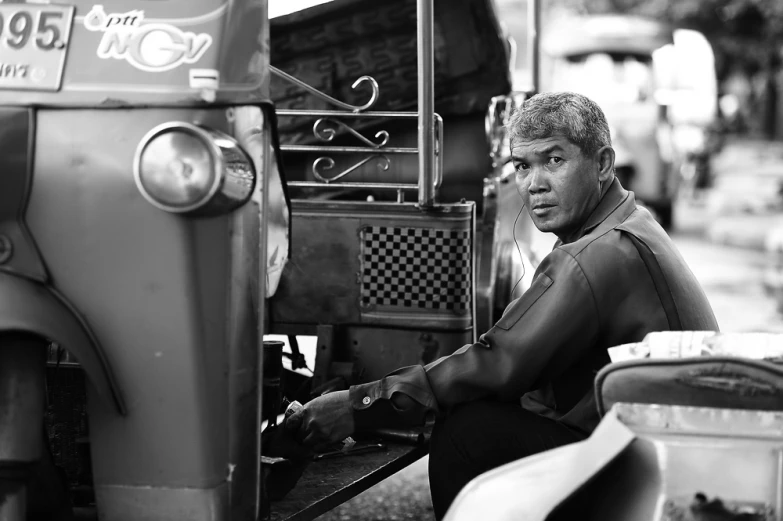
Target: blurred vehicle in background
[[686, 70], [658, 88]]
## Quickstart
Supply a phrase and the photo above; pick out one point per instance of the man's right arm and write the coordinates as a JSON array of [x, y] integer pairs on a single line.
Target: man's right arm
[[538, 336], [402, 398]]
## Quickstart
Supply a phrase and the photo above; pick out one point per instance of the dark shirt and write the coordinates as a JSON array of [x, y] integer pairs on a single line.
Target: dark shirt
[[619, 280]]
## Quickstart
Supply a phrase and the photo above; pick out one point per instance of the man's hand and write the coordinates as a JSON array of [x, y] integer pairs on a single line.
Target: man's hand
[[324, 420]]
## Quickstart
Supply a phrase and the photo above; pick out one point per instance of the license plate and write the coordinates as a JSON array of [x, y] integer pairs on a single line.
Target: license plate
[[33, 45]]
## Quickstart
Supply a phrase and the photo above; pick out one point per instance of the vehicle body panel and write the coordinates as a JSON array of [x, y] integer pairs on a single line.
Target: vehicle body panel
[[160, 310], [31, 307], [125, 265], [18, 254]]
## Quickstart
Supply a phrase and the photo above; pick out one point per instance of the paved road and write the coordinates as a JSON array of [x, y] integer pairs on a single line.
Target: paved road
[[732, 279], [746, 201]]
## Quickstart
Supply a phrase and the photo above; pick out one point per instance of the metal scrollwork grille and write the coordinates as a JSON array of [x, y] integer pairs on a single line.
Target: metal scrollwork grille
[[330, 123]]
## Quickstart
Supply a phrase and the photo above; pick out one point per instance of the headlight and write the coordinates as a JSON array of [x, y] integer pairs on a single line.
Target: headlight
[[183, 168]]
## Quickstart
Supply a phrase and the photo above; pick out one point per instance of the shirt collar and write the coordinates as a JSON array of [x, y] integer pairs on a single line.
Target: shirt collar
[[615, 197]]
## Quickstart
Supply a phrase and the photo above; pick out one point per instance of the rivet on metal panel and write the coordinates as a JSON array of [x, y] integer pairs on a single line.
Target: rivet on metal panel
[[6, 249]]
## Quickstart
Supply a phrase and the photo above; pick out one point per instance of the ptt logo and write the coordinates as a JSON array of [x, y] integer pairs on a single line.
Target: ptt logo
[[151, 47]]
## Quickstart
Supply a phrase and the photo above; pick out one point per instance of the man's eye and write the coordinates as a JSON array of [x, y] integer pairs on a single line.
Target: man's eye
[[521, 167], [555, 160]]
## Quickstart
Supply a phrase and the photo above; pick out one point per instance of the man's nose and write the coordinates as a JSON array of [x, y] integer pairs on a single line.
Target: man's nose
[[538, 182]]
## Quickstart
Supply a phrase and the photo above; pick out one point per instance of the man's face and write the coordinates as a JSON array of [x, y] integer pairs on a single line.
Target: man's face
[[559, 185]]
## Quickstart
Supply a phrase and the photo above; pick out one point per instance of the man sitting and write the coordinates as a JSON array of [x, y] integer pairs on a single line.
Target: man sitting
[[527, 385]]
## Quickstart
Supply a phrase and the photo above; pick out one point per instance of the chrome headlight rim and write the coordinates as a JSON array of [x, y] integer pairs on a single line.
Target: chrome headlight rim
[[208, 138]]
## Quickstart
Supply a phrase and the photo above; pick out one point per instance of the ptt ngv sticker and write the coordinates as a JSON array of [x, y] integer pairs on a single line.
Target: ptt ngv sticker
[[151, 47]]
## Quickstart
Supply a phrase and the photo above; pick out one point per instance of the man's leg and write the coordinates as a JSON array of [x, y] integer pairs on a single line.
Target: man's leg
[[482, 435]]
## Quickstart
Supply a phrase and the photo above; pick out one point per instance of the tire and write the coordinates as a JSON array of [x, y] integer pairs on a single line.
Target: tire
[[34, 490]]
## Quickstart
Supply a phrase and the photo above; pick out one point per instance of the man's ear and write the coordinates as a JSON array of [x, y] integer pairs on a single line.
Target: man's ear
[[605, 157]]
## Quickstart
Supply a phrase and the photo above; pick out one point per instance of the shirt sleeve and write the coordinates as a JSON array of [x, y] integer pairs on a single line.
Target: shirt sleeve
[[538, 337]]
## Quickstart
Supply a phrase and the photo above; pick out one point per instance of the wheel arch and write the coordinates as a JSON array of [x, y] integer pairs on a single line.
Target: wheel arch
[[31, 307]]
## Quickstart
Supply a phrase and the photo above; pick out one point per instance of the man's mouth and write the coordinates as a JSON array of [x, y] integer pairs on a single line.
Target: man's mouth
[[541, 209]]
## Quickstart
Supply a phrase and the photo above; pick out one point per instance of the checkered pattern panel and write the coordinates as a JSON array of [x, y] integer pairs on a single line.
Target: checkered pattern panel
[[421, 268]]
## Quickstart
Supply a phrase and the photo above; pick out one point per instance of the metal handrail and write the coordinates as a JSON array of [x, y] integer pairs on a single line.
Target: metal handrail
[[389, 186], [426, 66], [349, 150], [399, 187], [350, 115], [533, 42]]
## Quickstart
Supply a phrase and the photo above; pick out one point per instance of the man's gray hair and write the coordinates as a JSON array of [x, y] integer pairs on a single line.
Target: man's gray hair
[[574, 116]]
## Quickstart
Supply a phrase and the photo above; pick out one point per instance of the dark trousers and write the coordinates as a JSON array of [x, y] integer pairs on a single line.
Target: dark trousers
[[482, 435]]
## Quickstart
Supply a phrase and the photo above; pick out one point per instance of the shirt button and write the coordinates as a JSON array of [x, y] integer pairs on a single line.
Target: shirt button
[[366, 400]]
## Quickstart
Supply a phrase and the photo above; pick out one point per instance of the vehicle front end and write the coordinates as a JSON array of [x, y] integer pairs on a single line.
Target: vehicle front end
[[135, 141]]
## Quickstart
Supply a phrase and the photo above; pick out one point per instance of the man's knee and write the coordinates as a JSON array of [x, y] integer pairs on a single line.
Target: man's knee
[[484, 434], [475, 436], [455, 454], [479, 436], [456, 433]]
